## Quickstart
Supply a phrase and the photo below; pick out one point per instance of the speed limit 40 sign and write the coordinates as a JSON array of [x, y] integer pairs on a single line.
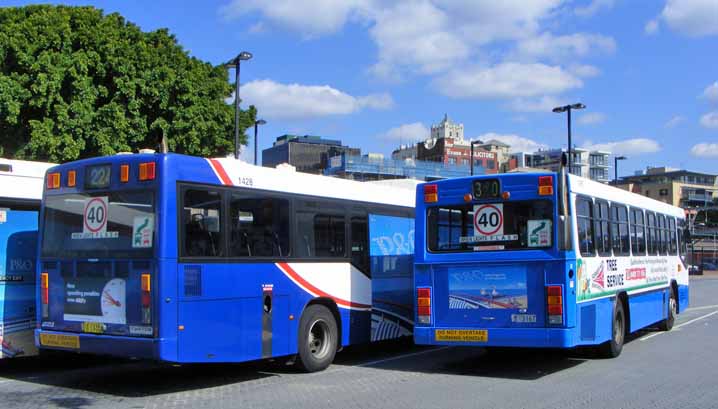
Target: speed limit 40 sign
[[489, 219], [94, 217]]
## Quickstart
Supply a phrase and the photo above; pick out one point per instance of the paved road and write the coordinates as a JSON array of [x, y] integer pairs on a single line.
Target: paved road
[[657, 370]]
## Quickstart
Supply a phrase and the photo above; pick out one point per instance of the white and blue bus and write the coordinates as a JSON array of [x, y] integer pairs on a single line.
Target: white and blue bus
[[20, 194], [544, 260], [185, 259]]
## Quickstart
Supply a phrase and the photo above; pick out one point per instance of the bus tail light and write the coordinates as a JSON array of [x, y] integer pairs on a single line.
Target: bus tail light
[[146, 283], [545, 185], [147, 171], [71, 178], [423, 305], [45, 294], [554, 303], [53, 180], [124, 173], [431, 193]]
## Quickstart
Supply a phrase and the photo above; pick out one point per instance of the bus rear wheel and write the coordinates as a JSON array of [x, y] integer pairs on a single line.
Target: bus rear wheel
[[613, 348], [667, 324], [318, 338]]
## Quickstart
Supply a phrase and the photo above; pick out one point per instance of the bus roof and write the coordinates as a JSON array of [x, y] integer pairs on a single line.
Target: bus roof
[[22, 179], [583, 186], [285, 179]]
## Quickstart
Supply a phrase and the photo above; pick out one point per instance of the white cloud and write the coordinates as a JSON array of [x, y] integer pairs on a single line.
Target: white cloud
[[635, 146], [710, 120], [705, 150], [275, 100], [565, 47], [311, 18], [675, 121], [507, 80], [594, 7], [407, 133], [591, 118], [651, 27], [542, 104], [516, 142], [711, 92], [584, 70], [694, 18]]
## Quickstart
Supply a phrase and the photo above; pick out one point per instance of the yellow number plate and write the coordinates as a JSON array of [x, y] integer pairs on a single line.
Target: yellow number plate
[[93, 327], [461, 335], [62, 341]]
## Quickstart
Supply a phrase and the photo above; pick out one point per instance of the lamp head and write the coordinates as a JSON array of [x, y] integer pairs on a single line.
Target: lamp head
[[578, 106], [260, 122], [558, 110], [244, 56]]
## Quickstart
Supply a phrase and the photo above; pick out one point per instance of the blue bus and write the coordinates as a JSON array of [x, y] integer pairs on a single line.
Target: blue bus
[[185, 259], [21, 183], [544, 260]]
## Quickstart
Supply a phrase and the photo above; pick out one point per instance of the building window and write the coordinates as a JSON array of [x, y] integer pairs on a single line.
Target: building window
[[490, 164], [452, 161], [663, 192]]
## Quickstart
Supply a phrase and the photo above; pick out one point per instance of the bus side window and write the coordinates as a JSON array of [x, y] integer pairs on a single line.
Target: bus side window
[[662, 236], [201, 221], [673, 247], [638, 233], [259, 226], [584, 217], [619, 230], [360, 243], [601, 228], [652, 234], [321, 235]]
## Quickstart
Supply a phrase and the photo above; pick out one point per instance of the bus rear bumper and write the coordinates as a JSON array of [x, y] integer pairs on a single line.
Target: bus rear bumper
[[504, 337], [128, 347]]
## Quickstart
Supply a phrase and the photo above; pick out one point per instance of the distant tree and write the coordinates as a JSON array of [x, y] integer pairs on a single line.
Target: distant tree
[[75, 83]]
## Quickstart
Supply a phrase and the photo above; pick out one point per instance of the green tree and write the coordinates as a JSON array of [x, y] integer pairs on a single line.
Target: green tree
[[76, 83]]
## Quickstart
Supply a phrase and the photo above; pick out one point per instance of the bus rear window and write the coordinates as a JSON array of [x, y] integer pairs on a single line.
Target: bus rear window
[[491, 227], [99, 225]]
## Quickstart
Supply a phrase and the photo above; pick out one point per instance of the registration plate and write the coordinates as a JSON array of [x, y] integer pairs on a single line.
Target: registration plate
[[62, 341], [93, 327], [461, 335]]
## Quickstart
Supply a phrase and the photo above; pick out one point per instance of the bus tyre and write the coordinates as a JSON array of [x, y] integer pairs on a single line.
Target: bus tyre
[[318, 338], [667, 324], [612, 348]]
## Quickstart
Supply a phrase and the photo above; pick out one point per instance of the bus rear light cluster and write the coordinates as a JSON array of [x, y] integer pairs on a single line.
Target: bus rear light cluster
[[147, 171], [423, 305], [554, 303], [545, 185], [431, 193], [146, 298], [53, 180], [45, 294]]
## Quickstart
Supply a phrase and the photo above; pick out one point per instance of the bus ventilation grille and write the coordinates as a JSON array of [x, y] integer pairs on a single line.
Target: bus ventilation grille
[[192, 281]]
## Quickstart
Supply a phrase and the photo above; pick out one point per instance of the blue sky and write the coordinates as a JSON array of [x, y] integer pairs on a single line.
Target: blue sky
[[375, 73]]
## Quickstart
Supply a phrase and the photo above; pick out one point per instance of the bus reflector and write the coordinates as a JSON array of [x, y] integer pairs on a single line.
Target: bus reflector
[[53, 180], [554, 303], [431, 193], [145, 280], [124, 173], [45, 294], [423, 302], [147, 171], [71, 178], [545, 185]]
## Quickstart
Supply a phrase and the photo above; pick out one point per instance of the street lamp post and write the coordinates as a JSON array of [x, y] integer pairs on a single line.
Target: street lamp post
[[567, 109], [615, 167], [471, 155], [257, 122], [235, 63]]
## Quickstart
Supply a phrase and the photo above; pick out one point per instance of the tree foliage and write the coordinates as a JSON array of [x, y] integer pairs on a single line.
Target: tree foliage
[[76, 83]]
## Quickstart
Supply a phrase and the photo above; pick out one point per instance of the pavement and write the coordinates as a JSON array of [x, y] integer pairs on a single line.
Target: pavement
[[675, 369]]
